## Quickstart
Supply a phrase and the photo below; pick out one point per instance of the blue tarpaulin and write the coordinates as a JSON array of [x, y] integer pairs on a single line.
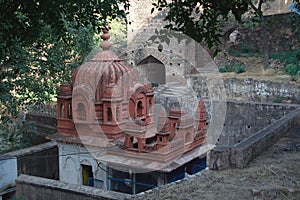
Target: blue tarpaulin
[[176, 174], [293, 8]]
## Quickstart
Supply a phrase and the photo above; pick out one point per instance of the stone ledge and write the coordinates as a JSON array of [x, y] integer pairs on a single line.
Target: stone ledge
[[33, 149], [27, 186]]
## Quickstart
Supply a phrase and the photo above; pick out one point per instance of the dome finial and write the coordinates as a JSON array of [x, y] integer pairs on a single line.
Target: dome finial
[[105, 45]]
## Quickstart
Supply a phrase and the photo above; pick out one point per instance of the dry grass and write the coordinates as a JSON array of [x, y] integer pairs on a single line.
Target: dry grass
[[273, 175]]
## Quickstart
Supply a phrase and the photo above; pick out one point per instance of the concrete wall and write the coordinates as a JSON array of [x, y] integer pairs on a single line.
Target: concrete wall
[[40, 160], [48, 122], [8, 172], [240, 154], [36, 188], [70, 165]]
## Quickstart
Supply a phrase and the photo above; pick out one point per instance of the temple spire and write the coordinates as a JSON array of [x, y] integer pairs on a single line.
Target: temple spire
[[105, 45]]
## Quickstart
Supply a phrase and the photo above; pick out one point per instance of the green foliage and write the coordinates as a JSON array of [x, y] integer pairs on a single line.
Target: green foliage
[[297, 2], [292, 69], [201, 20], [277, 100], [154, 85], [237, 68], [244, 49], [19, 197], [204, 20], [289, 57], [118, 34], [251, 22], [294, 21], [31, 74], [41, 42], [226, 68], [23, 19], [291, 60]]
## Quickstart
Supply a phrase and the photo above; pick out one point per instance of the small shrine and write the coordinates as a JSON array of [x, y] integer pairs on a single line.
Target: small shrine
[[107, 109]]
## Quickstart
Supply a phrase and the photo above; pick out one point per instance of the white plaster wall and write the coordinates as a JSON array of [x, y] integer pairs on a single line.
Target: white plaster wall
[[70, 160], [8, 172]]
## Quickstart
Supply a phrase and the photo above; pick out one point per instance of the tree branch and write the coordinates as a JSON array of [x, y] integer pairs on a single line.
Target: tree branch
[[253, 6], [260, 4]]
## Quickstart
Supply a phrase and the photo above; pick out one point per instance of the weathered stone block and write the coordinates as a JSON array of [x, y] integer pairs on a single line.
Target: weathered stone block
[[218, 158]]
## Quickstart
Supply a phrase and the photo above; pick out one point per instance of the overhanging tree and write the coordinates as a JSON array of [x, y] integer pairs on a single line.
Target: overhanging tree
[[203, 20], [41, 42]]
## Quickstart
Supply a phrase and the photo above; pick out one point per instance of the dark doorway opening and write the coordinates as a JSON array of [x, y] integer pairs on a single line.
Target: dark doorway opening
[[87, 172]]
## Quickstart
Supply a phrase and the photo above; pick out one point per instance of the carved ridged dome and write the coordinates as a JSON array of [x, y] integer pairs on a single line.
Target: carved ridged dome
[[105, 66]]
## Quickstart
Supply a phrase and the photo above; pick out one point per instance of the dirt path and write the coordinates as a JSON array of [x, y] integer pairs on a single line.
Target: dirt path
[[273, 175]]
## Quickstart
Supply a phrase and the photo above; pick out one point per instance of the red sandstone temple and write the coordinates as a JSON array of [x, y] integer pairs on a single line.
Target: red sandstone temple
[[105, 97], [106, 106]]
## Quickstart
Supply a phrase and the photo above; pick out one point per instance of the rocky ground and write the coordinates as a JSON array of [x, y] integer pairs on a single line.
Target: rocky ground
[[273, 175]]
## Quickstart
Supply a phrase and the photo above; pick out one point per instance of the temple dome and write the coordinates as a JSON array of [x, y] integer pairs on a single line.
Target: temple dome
[[103, 70]]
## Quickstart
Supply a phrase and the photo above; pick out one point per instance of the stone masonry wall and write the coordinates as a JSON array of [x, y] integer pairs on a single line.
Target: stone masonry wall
[[36, 188], [248, 89], [244, 119], [282, 32], [240, 154]]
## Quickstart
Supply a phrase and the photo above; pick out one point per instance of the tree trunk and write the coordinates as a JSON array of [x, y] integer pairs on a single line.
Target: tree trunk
[[265, 42], [264, 30]]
